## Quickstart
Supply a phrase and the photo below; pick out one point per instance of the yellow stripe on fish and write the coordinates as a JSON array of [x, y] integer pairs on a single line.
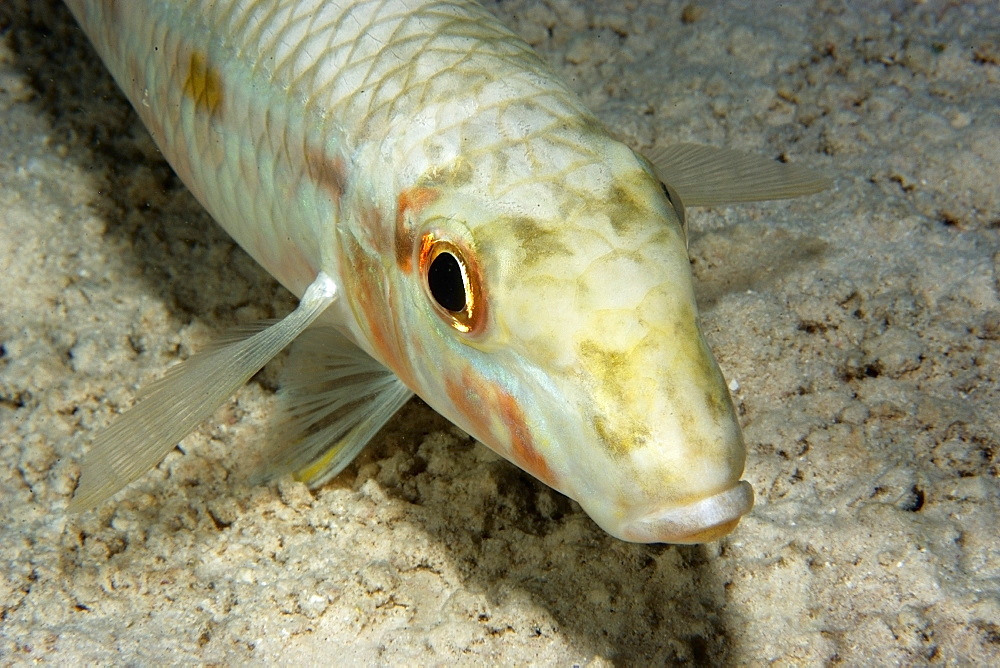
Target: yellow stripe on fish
[[459, 226]]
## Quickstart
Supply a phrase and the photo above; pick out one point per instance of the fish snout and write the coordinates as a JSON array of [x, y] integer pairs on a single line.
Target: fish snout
[[702, 521]]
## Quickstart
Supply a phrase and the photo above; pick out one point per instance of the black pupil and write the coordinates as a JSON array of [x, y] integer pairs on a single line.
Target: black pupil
[[444, 277]]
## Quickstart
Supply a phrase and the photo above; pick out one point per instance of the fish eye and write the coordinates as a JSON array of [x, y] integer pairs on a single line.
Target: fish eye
[[452, 282]]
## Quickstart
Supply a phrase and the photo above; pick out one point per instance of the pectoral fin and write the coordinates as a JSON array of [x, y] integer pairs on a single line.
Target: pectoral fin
[[709, 176], [333, 399], [186, 396]]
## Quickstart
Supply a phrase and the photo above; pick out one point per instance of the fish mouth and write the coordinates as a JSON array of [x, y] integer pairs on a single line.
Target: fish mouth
[[699, 522]]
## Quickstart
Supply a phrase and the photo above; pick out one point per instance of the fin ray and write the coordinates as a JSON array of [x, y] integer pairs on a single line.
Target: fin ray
[[709, 176], [334, 399], [187, 395]]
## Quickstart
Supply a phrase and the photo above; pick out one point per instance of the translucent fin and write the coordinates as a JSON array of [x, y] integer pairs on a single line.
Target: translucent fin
[[708, 176], [334, 398], [225, 340], [186, 396]]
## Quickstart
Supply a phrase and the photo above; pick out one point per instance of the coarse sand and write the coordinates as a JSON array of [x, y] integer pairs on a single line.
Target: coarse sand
[[860, 329]]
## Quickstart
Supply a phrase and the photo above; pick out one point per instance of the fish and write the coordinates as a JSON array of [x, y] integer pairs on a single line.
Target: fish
[[457, 225]]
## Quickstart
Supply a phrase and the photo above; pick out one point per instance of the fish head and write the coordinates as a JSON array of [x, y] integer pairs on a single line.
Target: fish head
[[559, 327]]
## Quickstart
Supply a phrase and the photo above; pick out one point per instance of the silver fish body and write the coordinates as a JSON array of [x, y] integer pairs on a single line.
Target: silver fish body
[[484, 236]]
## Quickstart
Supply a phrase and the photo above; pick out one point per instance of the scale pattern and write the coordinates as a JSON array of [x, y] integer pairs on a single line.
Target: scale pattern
[[269, 110]]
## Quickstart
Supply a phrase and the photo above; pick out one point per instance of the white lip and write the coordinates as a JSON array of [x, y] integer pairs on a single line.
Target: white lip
[[705, 520]]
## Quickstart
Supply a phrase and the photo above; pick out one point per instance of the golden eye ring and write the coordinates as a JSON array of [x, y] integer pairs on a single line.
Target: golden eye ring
[[453, 283]]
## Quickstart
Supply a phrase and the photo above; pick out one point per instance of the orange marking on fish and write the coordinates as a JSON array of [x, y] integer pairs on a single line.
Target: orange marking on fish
[[203, 85], [371, 304], [526, 455], [329, 174], [410, 200], [469, 402], [479, 401]]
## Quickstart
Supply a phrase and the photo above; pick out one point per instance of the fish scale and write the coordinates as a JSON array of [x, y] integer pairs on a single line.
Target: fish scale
[[309, 83], [348, 146]]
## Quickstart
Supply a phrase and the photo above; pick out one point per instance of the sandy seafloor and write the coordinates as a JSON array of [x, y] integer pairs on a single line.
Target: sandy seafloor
[[862, 327]]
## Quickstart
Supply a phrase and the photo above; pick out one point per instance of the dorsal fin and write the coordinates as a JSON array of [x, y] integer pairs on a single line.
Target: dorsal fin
[[708, 176]]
